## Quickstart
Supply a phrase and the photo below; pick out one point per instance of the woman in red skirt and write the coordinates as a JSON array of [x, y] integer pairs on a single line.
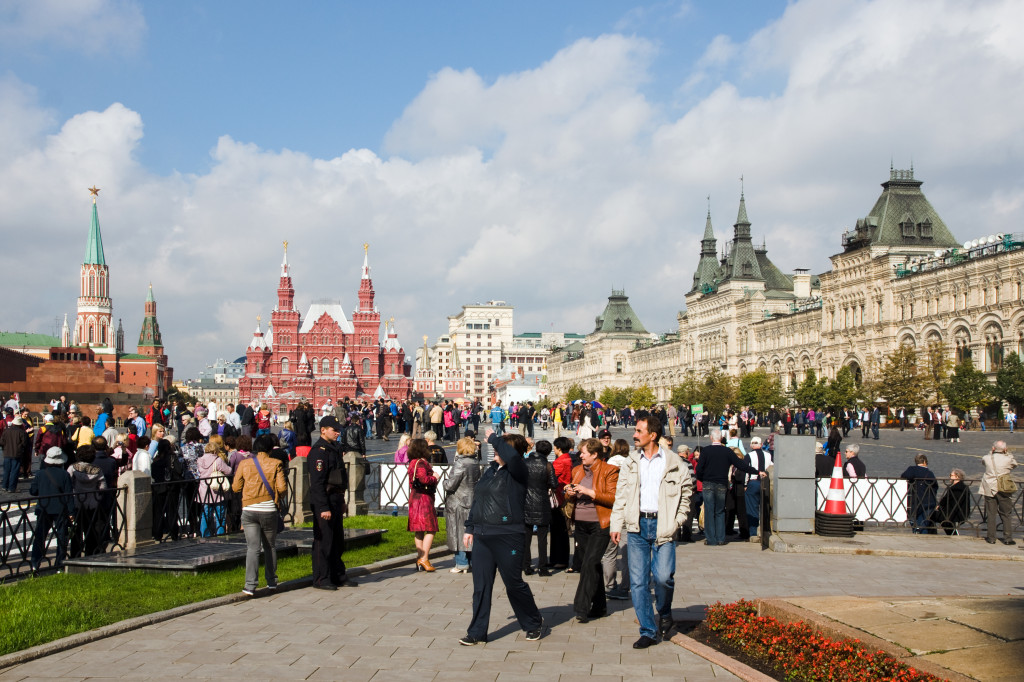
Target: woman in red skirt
[[422, 516]]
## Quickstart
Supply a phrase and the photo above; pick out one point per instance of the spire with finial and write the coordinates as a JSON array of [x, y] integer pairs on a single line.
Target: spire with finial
[[94, 247], [284, 261], [741, 216], [366, 260], [65, 333], [149, 296]]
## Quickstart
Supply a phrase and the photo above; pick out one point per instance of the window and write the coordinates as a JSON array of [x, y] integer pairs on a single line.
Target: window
[[315, 365], [908, 227], [284, 365], [90, 333], [366, 366], [926, 229], [748, 270], [337, 366], [618, 367]]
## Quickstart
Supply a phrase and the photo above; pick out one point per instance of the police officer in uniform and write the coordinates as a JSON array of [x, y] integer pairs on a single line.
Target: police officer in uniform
[[328, 481]]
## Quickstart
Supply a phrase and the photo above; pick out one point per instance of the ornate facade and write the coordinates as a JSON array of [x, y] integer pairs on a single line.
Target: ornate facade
[[901, 277], [323, 355]]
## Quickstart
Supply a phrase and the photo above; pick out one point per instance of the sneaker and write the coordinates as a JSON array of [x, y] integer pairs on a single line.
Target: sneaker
[[534, 635], [644, 642], [469, 640], [248, 593], [544, 573]]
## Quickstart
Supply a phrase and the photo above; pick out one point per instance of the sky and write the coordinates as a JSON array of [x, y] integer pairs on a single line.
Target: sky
[[534, 152]]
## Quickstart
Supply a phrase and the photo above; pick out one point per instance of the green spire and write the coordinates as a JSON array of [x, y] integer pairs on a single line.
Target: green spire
[[94, 247], [149, 296]]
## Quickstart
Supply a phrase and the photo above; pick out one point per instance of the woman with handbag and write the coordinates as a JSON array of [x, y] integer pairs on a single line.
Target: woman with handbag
[[422, 516], [214, 481], [261, 519], [998, 488]]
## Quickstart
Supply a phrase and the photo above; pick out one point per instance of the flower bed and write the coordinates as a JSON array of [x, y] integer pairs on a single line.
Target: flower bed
[[795, 651]]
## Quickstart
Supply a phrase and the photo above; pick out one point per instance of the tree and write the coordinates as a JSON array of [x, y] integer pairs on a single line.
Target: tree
[[901, 382], [176, 394], [690, 392], [614, 398], [719, 390], [760, 390], [843, 390], [812, 392], [1010, 381], [577, 392], [936, 368], [643, 396], [967, 387]]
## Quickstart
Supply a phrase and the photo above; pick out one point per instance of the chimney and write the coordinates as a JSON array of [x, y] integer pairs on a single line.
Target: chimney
[[801, 283]]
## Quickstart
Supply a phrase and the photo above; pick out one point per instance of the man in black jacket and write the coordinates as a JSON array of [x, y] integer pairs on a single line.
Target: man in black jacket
[[713, 473], [496, 535], [55, 510], [327, 484]]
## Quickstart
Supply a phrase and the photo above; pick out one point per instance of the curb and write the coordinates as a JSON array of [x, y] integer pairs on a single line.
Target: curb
[[786, 612], [740, 670], [121, 627], [777, 544]]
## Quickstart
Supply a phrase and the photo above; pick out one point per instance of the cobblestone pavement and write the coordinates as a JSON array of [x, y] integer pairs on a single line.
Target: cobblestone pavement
[[399, 625]]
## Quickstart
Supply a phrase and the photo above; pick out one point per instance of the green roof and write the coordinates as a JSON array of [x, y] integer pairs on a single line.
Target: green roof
[[774, 279], [28, 340], [94, 247], [902, 216], [135, 356], [618, 316]]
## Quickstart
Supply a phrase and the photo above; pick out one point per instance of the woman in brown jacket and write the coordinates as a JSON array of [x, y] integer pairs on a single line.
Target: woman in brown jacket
[[593, 491], [259, 510]]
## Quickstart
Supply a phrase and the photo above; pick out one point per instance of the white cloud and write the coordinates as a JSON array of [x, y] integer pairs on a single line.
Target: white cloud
[[545, 187], [90, 26]]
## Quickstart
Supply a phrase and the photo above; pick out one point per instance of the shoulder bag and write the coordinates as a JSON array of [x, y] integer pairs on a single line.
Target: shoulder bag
[[259, 470], [1005, 484], [426, 489]]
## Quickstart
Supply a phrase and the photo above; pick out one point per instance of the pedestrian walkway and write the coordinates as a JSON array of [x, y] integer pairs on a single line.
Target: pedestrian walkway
[[403, 625]]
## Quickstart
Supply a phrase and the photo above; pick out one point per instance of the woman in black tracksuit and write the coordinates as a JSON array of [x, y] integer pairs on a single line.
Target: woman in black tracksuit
[[496, 534]]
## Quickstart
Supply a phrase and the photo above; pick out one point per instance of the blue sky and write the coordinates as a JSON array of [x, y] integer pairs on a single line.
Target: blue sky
[[527, 151]]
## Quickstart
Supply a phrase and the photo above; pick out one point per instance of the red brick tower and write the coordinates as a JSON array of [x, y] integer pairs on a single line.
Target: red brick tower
[[366, 322], [285, 321], [95, 308]]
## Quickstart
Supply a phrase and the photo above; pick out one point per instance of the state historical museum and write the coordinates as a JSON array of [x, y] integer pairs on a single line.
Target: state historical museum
[[322, 355]]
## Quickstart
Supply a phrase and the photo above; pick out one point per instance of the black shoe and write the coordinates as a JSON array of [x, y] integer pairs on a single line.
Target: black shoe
[[345, 582], [1009, 542], [990, 541], [664, 625], [528, 570], [544, 573], [619, 594], [597, 614], [534, 635], [469, 640], [582, 619], [325, 586], [644, 642]]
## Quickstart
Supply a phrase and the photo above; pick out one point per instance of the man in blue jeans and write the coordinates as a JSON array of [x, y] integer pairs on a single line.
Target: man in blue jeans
[[651, 503], [713, 473]]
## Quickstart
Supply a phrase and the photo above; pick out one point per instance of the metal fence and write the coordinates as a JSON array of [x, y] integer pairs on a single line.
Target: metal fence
[[78, 524], [923, 505], [191, 508], [387, 486]]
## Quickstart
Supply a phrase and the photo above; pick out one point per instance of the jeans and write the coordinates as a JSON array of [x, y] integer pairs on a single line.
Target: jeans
[[260, 529], [369, 428], [213, 519], [714, 513], [11, 469], [1010, 423], [647, 558], [462, 559]]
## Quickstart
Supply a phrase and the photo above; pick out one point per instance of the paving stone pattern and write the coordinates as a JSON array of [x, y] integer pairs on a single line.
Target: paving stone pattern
[[399, 625]]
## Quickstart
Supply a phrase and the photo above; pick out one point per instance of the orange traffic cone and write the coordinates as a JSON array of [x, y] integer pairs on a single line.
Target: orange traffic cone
[[835, 503]]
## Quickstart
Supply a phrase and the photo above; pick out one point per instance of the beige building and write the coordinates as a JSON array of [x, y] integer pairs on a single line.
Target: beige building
[[901, 277]]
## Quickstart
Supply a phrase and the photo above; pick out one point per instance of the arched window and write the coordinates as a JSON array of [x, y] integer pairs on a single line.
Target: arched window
[[366, 366], [92, 286], [337, 366], [103, 332], [314, 365], [91, 333], [284, 365]]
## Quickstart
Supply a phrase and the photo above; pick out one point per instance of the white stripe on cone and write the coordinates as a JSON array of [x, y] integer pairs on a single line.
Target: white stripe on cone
[[835, 501]]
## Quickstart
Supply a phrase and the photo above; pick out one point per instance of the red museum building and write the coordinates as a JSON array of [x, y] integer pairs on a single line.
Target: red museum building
[[323, 355]]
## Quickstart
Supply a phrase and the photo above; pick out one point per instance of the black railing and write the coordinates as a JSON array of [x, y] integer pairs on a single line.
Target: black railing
[[78, 524], [387, 486], [920, 505], [193, 508]]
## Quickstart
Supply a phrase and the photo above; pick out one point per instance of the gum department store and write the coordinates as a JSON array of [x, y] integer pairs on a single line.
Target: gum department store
[[901, 278]]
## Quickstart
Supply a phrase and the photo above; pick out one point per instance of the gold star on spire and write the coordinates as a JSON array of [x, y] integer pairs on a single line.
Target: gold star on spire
[[285, 242], [94, 191], [258, 318], [366, 247]]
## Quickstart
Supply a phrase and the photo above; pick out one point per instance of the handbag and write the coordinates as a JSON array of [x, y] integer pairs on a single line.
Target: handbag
[[1005, 484], [424, 488], [552, 499], [219, 483], [259, 469]]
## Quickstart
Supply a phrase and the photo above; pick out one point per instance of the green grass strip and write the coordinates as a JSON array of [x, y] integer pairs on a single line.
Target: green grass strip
[[40, 610]]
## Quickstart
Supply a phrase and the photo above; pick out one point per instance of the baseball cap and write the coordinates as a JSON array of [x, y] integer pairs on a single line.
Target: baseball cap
[[604, 433], [330, 422]]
